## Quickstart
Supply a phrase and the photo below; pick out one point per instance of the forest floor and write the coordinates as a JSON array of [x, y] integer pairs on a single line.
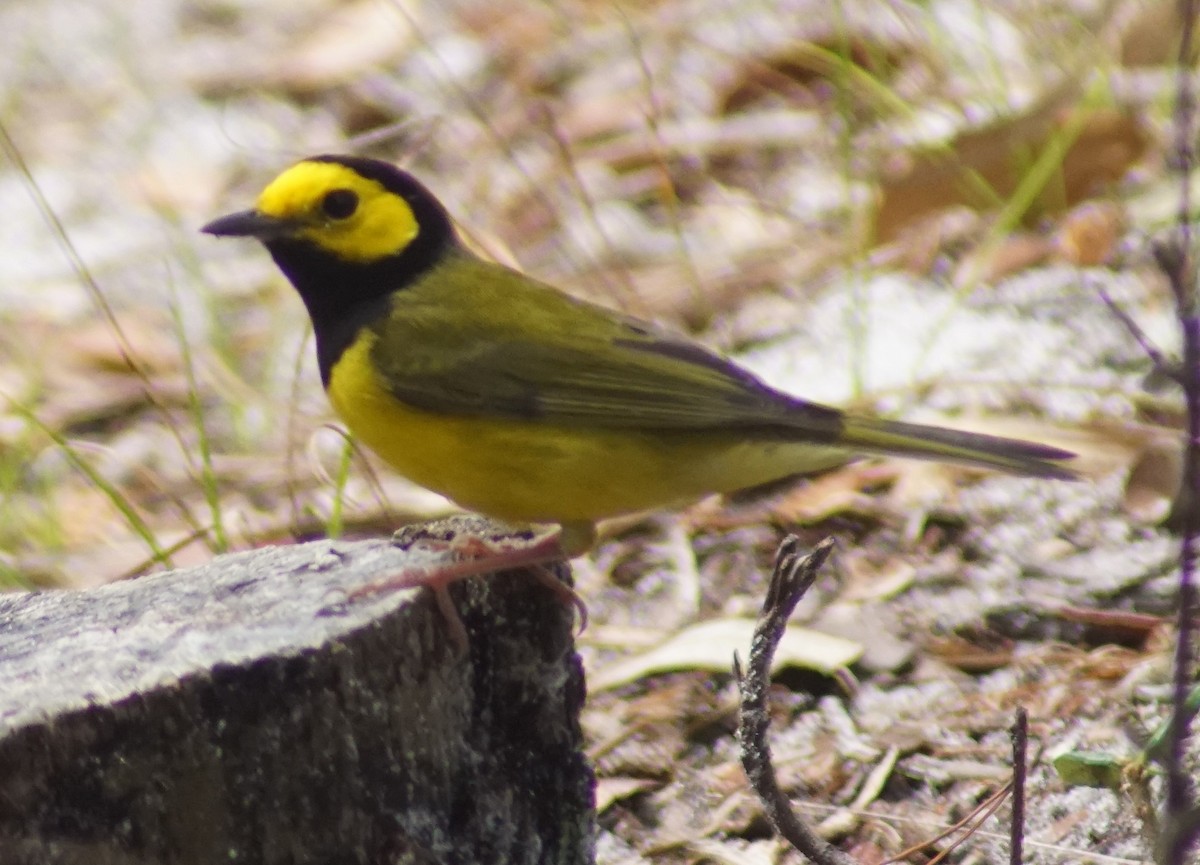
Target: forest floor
[[933, 210]]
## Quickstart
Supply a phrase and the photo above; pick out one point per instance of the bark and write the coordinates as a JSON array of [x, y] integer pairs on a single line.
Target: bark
[[251, 711]]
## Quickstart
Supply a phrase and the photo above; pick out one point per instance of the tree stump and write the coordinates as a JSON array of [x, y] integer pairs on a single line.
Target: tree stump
[[252, 711]]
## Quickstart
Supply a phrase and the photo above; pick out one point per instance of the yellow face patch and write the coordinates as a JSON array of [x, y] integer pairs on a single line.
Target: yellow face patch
[[380, 225]]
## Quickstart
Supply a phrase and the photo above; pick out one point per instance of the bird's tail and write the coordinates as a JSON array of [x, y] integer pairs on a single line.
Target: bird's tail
[[974, 449]]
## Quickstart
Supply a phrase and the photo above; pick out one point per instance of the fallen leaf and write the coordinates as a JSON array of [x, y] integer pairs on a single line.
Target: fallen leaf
[[983, 167], [1154, 478], [1122, 627], [612, 790], [146, 338], [832, 493], [710, 646], [868, 580], [990, 263], [1079, 769], [970, 655], [1151, 35], [811, 72], [352, 39], [340, 46], [1089, 233]]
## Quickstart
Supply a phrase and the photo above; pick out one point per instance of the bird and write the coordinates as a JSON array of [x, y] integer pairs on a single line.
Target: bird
[[524, 404]]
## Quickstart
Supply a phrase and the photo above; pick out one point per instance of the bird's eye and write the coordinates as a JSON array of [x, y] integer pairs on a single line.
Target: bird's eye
[[339, 204]]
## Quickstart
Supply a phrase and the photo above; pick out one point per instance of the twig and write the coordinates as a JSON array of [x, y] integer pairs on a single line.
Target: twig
[[1175, 258], [1161, 364], [1020, 740], [970, 822], [992, 806], [792, 577]]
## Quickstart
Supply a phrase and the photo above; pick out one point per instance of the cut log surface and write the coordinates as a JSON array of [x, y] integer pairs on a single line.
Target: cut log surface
[[253, 711]]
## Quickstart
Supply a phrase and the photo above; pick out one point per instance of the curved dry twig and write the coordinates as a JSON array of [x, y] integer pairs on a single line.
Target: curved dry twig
[[792, 577]]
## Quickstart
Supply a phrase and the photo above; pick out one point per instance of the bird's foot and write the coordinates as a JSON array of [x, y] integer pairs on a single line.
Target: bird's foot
[[463, 555]]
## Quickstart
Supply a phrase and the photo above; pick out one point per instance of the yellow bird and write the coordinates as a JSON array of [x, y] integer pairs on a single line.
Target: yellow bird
[[521, 403]]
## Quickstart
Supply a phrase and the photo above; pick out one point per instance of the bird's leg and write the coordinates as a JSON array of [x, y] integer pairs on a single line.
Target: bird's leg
[[484, 556], [473, 555]]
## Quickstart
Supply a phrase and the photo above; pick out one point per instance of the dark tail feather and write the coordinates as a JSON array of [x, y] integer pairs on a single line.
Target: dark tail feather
[[975, 449]]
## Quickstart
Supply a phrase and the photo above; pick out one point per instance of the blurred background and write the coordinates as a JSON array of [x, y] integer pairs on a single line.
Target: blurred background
[[912, 207], [719, 166]]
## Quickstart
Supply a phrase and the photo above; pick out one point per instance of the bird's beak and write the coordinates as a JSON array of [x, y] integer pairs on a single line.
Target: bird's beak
[[251, 223]]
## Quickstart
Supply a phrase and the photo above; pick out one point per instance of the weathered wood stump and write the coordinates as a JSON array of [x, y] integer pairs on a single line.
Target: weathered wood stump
[[250, 711]]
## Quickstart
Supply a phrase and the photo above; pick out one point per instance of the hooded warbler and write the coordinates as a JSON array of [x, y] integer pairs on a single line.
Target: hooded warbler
[[521, 403]]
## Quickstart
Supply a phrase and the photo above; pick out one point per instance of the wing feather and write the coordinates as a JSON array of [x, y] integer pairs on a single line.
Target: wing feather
[[571, 363]]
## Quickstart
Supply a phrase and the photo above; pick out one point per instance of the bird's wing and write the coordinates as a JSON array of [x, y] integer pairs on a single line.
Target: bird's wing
[[586, 367]]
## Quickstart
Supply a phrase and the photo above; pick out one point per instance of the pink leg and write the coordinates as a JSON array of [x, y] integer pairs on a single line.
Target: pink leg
[[475, 556]]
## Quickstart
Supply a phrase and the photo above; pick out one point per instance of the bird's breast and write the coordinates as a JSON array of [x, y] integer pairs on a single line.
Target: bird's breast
[[532, 471]]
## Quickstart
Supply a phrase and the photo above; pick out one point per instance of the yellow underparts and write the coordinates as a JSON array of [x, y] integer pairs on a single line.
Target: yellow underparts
[[535, 472]]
